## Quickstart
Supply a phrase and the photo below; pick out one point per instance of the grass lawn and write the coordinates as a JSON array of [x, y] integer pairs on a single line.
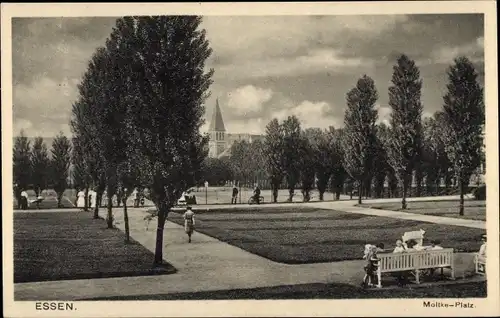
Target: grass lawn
[[296, 235], [325, 291], [73, 245], [475, 210]]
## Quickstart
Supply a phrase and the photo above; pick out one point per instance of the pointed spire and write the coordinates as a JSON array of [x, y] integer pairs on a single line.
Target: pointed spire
[[217, 123]]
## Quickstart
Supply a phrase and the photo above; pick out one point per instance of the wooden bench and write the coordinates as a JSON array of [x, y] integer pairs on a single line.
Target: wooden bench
[[480, 264], [415, 262]]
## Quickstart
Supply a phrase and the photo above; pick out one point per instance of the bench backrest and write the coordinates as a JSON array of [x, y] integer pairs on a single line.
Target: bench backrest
[[418, 236], [392, 262]]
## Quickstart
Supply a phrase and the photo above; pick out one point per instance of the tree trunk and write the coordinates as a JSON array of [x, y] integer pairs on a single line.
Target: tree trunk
[[162, 216], [109, 218], [461, 186], [405, 190], [321, 195], [290, 194], [360, 188], [275, 194], [86, 200], [125, 217], [59, 198], [96, 208]]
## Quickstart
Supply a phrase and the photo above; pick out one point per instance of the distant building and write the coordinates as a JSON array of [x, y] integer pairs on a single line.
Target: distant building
[[220, 141]]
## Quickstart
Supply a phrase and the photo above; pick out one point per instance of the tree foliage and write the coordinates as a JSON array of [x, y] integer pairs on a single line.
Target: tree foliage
[[292, 139], [21, 164], [464, 115], [359, 120], [274, 155], [406, 121], [59, 165], [39, 159]]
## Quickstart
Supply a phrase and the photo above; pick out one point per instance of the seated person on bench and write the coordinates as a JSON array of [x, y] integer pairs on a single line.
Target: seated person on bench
[[481, 255]]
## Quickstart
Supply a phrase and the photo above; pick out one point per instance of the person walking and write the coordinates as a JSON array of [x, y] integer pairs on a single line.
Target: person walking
[[189, 222], [234, 198]]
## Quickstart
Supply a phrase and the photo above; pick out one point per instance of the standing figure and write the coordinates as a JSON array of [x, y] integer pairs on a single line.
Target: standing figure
[[24, 200], [80, 201], [135, 195], [371, 263], [235, 195], [92, 198], [189, 222]]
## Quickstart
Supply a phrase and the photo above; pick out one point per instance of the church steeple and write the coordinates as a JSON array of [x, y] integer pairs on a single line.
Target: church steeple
[[217, 123]]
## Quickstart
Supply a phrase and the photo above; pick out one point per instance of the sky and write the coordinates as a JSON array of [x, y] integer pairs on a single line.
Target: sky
[[265, 66]]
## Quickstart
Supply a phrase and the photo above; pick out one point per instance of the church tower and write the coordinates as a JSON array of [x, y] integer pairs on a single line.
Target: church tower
[[217, 143]]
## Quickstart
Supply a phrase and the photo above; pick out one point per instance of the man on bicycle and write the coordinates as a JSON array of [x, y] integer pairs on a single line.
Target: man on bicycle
[[256, 194]]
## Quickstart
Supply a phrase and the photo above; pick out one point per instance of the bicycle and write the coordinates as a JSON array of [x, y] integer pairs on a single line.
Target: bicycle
[[252, 200]]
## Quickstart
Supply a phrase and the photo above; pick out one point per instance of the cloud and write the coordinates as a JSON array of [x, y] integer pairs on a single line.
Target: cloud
[[310, 114], [446, 54], [22, 125], [314, 61], [247, 100], [244, 37], [384, 114]]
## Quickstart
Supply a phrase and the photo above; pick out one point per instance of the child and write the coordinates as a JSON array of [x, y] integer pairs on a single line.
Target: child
[[189, 222], [371, 263], [400, 248]]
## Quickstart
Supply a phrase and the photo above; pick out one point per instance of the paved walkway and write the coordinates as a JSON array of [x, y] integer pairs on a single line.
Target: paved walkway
[[209, 264]]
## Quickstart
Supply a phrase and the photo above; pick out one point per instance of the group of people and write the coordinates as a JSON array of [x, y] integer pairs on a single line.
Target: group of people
[[92, 198], [24, 202], [371, 251], [255, 196]]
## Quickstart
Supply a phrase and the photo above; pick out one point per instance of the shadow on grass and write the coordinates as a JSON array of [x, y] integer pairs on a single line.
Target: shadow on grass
[[323, 291], [51, 246]]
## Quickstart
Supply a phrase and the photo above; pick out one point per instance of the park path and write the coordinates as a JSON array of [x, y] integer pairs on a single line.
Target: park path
[[207, 264]]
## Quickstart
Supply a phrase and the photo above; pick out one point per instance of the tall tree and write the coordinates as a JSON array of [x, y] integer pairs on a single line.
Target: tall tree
[[324, 156], [464, 114], [59, 165], [39, 165], [242, 162], [274, 151], [21, 165], [85, 124], [435, 163], [406, 121], [307, 164], [171, 52], [292, 154], [339, 173], [359, 120]]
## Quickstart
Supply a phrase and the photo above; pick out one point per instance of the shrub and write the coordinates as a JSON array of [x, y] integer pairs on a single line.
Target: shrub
[[480, 192]]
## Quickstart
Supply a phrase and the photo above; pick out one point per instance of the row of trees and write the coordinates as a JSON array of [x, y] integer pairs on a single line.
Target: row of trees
[[136, 123], [445, 147], [34, 167]]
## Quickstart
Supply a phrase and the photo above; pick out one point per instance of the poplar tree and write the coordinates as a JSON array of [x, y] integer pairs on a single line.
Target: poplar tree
[[274, 156], [465, 115], [339, 173], [406, 122], [360, 117], [170, 54], [59, 165], [39, 159], [291, 153]]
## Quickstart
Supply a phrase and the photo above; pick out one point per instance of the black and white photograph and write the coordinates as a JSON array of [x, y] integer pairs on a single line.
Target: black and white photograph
[[299, 152]]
